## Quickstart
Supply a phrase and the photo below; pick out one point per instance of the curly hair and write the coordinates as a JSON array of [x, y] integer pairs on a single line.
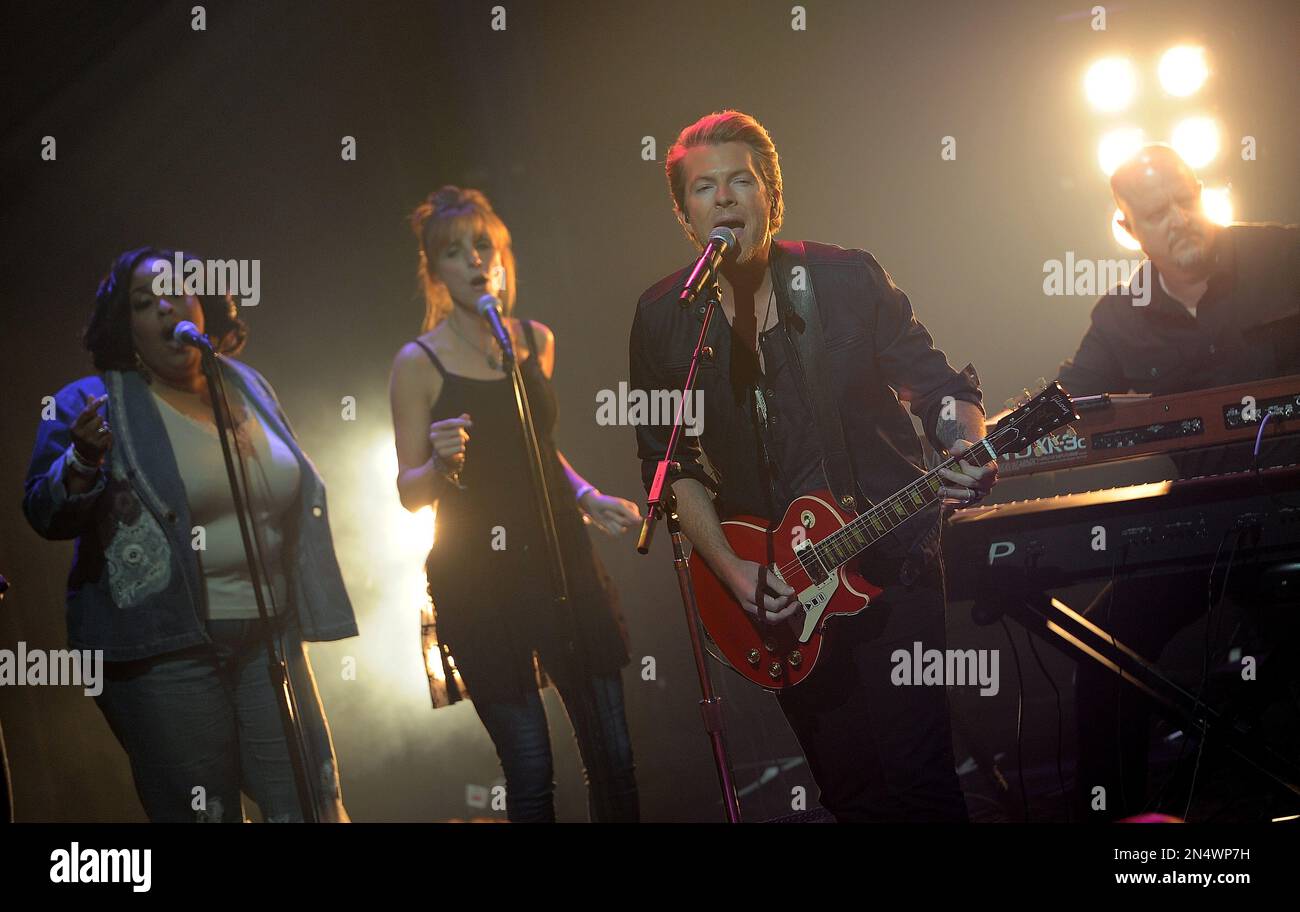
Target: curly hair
[[443, 216], [108, 334]]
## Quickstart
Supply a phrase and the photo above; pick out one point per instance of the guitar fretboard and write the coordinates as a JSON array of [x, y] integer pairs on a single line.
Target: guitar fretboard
[[865, 530]]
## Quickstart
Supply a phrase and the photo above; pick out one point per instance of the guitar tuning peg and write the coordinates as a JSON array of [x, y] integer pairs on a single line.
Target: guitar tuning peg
[[1011, 403], [1042, 383]]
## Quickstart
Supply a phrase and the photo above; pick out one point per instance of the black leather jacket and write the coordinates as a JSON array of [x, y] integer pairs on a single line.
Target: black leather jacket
[[877, 353]]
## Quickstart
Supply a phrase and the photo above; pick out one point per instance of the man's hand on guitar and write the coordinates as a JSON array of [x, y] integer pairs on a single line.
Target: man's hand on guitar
[[971, 483], [753, 583]]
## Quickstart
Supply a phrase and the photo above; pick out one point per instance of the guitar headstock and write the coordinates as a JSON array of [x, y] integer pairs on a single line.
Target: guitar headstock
[[1049, 410]]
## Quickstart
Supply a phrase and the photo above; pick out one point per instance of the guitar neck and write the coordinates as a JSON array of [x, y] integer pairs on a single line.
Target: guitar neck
[[847, 543]]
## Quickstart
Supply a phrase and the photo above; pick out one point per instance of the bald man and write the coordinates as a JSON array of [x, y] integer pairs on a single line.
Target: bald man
[[1223, 307], [1224, 303]]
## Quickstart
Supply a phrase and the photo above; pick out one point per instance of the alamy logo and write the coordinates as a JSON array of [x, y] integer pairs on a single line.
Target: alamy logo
[[945, 668], [1092, 278], [242, 279], [59, 667], [78, 865], [657, 407]]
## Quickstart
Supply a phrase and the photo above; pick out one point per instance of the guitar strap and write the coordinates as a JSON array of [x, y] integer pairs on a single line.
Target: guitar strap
[[797, 298]]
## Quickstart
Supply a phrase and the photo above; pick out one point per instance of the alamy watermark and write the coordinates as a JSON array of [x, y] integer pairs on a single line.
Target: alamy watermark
[[75, 865], [1093, 278], [241, 279], [919, 667], [25, 667], [638, 407]]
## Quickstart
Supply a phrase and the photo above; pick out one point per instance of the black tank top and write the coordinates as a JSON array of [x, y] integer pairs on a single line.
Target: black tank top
[[487, 569]]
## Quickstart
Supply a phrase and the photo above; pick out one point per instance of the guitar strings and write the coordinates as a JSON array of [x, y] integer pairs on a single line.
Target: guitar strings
[[879, 511]]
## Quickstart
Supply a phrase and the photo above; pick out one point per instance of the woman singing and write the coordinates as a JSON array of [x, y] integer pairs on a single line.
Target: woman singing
[[461, 447], [130, 465]]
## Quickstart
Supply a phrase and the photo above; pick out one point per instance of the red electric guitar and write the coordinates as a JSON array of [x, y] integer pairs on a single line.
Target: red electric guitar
[[814, 547]]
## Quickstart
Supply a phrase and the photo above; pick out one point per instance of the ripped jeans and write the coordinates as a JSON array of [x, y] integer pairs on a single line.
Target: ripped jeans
[[202, 724]]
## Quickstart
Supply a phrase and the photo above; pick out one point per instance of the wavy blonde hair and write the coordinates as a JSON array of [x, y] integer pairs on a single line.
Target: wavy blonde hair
[[715, 129], [445, 215]]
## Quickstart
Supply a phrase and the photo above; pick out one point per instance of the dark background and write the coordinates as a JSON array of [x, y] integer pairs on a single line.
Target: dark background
[[226, 143]]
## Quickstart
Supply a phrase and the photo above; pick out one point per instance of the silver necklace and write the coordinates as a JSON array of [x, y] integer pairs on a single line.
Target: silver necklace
[[767, 313], [493, 360]]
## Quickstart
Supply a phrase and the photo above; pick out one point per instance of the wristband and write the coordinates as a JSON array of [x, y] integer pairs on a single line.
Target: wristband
[[449, 475], [80, 465], [583, 492]]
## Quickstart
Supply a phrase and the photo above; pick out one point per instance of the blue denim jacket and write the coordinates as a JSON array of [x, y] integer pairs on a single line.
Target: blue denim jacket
[[136, 589]]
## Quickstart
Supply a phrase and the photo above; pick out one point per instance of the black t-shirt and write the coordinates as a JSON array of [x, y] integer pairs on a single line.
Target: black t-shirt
[[783, 422]]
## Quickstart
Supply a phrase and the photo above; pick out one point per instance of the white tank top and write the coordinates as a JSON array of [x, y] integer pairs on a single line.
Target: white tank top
[[273, 479]]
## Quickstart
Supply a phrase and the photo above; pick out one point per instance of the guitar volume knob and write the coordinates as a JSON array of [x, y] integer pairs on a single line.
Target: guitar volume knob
[[774, 670], [769, 645], [753, 657], [795, 658]]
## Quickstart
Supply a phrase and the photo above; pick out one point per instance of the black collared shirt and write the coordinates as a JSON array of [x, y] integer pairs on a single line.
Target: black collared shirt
[[786, 422], [1247, 324], [876, 353]]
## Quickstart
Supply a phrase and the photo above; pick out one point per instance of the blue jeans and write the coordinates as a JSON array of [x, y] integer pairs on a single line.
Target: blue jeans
[[202, 724], [595, 707]]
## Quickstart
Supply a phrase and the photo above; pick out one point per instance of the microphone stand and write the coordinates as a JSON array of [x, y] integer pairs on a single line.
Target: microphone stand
[[662, 503], [560, 600], [286, 698], [561, 603], [564, 609], [541, 489]]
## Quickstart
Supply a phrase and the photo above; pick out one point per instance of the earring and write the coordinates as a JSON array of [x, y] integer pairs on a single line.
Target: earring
[[142, 369]]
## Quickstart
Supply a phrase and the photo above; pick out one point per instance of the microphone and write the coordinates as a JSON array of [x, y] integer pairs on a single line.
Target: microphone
[[489, 308], [187, 333], [721, 243]]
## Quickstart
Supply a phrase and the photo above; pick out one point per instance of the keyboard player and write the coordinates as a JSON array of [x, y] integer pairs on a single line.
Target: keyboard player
[[1223, 308]]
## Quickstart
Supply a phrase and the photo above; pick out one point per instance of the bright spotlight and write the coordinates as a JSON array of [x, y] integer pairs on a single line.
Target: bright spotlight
[[1182, 70], [1117, 147], [1122, 237], [403, 535], [1196, 139], [1110, 84], [1217, 204]]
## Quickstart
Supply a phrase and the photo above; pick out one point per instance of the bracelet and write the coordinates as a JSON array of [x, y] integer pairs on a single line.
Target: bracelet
[[583, 492], [449, 475], [79, 465]]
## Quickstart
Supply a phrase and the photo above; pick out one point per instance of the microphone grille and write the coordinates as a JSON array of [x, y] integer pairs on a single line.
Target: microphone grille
[[488, 302], [724, 234]]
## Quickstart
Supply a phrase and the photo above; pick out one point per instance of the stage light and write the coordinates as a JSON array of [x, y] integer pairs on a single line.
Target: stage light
[[1110, 84], [409, 533], [1182, 70], [1196, 139], [1217, 204], [1117, 147], [1122, 237], [402, 539]]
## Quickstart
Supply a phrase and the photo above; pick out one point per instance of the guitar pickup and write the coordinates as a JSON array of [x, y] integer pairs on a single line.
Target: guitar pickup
[[810, 562]]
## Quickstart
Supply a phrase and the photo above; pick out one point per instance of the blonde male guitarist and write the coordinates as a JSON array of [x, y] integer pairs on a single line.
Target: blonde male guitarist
[[785, 413]]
